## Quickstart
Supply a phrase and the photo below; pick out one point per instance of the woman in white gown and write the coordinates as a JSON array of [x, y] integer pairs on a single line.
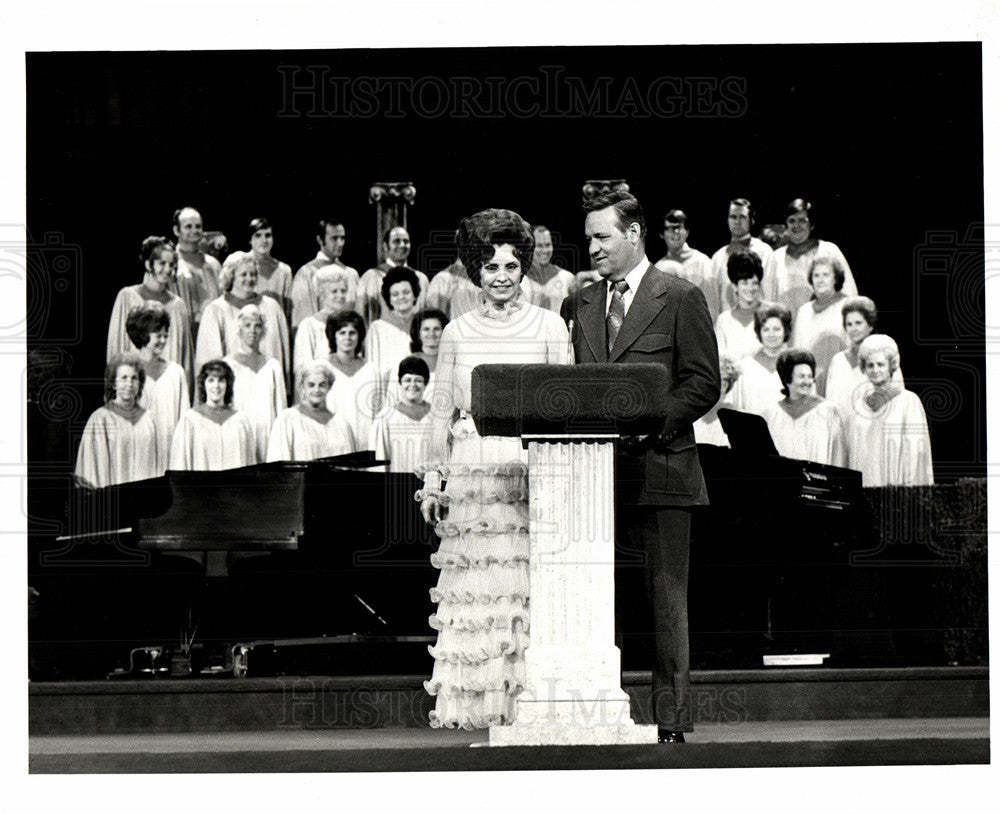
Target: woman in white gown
[[159, 258], [887, 436], [165, 391], [355, 391], [734, 328], [388, 340], [401, 435], [786, 277], [274, 277], [336, 290], [213, 436], [845, 375], [758, 384], [259, 389], [804, 426], [118, 444], [819, 324], [309, 430], [482, 515]]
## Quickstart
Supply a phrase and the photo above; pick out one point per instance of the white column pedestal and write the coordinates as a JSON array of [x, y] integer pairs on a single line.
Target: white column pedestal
[[573, 693]]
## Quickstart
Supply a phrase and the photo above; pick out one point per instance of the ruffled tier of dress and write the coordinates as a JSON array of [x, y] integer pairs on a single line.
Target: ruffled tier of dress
[[482, 590]]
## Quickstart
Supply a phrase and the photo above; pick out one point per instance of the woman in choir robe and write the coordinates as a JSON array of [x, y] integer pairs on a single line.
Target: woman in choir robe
[[734, 328], [759, 385], [274, 278], [708, 428], [165, 392], [259, 389], [786, 277], [119, 442], [819, 324], [402, 435], [887, 437], [426, 328], [482, 513], [336, 289], [845, 374], [220, 325], [159, 258], [803, 425], [212, 435], [355, 390], [309, 430], [388, 340]]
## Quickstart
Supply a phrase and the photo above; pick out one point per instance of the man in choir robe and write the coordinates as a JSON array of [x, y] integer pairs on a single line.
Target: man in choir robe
[[695, 267], [637, 313], [545, 284], [741, 220], [197, 272], [331, 237], [396, 242]]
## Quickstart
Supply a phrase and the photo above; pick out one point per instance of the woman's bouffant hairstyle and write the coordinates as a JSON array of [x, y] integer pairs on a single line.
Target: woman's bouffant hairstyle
[[773, 309], [479, 233], [218, 368], [838, 272], [258, 225], [415, 366], [788, 361], [744, 266], [153, 244], [143, 321], [879, 343], [236, 260], [315, 366], [800, 205], [335, 322], [111, 373], [418, 320], [325, 278], [399, 274], [864, 306]]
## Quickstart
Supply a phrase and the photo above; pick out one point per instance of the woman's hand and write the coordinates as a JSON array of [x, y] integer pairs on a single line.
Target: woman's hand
[[430, 508]]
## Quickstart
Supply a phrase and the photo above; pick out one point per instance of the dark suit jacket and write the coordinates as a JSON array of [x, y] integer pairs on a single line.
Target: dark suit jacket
[[667, 323]]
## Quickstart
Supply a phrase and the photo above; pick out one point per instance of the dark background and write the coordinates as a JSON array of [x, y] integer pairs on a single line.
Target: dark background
[[885, 140]]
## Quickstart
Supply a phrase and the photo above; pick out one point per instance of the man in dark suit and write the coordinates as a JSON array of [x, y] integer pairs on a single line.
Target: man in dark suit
[[637, 313]]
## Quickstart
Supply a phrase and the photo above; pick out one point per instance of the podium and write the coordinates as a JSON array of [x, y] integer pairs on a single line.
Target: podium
[[569, 419]]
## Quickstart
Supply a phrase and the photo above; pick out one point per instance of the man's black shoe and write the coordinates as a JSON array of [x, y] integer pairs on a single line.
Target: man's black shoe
[[668, 736]]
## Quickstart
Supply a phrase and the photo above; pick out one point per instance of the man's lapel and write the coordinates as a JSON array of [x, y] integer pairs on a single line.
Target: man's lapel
[[645, 306], [591, 317]]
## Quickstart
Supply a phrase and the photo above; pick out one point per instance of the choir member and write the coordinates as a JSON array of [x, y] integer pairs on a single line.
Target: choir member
[[396, 243], [740, 220], [451, 290], [309, 430], [803, 425], [401, 435], [819, 324], [220, 327], [845, 374], [426, 328], [786, 276], [212, 435], [887, 436], [735, 327], [708, 428], [159, 258], [546, 284], [759, 384], [274, 278], [694, 266], [355, 390], [165, 392], [388, 340], [336, 291], [119, 442], [331, 237], [259, 387], [197, 272]]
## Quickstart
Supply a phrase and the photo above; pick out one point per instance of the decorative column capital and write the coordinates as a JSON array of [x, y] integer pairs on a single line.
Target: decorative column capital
[[392, 191], [598, 186]]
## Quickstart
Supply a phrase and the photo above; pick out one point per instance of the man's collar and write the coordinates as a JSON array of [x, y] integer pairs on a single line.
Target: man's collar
[[634, 277]]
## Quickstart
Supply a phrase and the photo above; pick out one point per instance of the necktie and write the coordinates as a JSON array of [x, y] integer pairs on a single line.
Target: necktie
[[616, 313]]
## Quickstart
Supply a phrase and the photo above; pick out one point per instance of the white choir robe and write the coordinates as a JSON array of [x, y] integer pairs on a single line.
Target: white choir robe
[[166, 398], [197, 286], [551, 293], [452, 292], [822, 334], [843, 378], [261, 396], [756, 388], [219, 333], [402, 440], [310, 341], [354, 399], [786, 278], [891, 447], [114, 450], [708, 428], [201, 443], [179, 347], [817, 435], [386, 345], [296, 436], [736, 338]]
